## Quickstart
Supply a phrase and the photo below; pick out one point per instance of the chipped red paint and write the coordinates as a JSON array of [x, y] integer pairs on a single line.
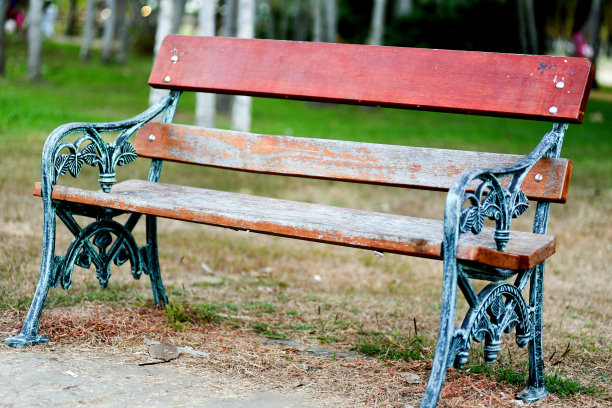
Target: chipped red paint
[[401, 166]]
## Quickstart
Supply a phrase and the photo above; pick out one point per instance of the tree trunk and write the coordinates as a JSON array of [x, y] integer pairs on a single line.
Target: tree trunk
[[301, 22], [205, 102], [34, 39], [71, 19], [109, 31], [288, 7], [241, 108], [592, 25], [228, 29], [164, 27], [378, 23], [531, 24], [88, 32], [331, 20], [268, 18], [522, 27], [403, 8], [229, 18], [122, 30], [317, 21], [2, 42], [179, 11], [591, 32]]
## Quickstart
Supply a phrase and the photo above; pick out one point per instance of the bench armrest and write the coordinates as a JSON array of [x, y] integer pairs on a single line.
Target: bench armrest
[[491, 198], [60, 156]]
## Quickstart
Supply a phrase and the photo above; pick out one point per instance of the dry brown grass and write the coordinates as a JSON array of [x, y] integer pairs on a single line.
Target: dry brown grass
[[336, 296]]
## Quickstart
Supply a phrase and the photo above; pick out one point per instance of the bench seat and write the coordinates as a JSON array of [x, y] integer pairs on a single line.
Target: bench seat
[[342, 226]]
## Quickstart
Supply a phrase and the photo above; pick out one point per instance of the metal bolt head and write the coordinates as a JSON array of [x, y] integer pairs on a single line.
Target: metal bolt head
[[174, 59], [167, 78], [538, 177], [560, 85], [553, 110], [151, 138]]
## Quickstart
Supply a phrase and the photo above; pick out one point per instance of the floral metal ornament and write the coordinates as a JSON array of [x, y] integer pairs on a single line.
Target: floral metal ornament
[[93, 244], [500, 307], [105, 156]]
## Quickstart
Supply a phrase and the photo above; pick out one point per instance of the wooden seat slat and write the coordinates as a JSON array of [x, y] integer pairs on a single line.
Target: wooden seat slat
[[342, 226], [403, 166], [510, 85]]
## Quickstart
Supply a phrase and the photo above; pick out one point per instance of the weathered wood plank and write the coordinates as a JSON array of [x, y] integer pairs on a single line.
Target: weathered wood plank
[[402, 166], [526, 86], [356, 228]]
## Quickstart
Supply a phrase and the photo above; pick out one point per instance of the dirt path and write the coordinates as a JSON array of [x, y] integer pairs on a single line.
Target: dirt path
[[49, 379]]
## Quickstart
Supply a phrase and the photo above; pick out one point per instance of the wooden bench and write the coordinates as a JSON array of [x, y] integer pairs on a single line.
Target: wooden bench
[[479, 185]]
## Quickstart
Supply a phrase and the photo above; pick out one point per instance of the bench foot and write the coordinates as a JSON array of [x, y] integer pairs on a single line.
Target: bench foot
[[23, 340], [532, 394], [29, 335], [536, 386]]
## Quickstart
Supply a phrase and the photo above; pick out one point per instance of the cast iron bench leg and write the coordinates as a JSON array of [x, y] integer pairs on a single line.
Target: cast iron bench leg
[[536, 385], [445, 335], [159, 296], [29, 331]]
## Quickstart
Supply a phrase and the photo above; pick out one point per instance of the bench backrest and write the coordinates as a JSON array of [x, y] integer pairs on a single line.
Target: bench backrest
[[507, 85], [525, 86], [402, 166]]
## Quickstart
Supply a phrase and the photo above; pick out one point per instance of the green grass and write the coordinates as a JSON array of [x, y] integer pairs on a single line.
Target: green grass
[[555, 383], [75, 91], [394, 346]]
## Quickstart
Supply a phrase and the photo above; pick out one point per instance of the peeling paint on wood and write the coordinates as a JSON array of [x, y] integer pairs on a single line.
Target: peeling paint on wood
[[403, 166]]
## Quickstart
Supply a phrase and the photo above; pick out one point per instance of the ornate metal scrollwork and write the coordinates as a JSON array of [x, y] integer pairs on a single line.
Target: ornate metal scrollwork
[[105, 156], [95, 244], [500, 309], [491, 200], [91, 149]]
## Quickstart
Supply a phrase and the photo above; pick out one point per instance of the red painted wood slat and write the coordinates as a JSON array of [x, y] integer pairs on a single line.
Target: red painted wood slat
[[314, 222], [511, 85], [402, 166]]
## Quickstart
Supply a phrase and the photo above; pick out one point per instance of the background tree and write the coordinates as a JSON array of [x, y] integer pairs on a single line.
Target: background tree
[[286, 12], [317, 20], [34, 39], [71, 18], [377, 25], [229, 18], [110, 24], [88, 31], [165, 19], [241, 108], [228, 29], [179, 12], [2, 42], [122, 30], [266, 18], [205, 102], [403, 8], [528, 32], [331, 20], [301, 18]]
